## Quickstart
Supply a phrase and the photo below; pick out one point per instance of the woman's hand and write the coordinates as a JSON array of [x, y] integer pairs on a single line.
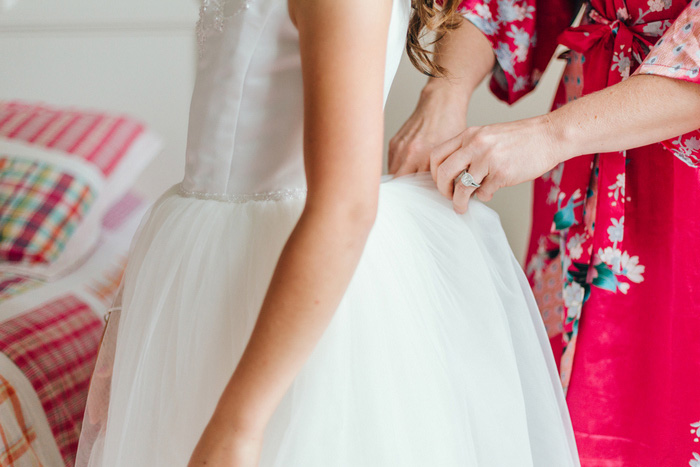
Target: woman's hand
[[510, 153], [438, 116], [223, 446], [496, 156], [441, 112]]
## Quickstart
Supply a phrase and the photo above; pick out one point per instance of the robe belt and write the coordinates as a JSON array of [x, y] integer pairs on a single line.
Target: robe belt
[[612, 48]]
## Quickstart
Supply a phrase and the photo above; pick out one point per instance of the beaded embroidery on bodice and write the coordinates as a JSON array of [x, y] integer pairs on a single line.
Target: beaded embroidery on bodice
[[213, 15], [245, 137]]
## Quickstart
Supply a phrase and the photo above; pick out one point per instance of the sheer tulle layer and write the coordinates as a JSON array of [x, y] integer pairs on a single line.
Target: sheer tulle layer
[[435, 357]]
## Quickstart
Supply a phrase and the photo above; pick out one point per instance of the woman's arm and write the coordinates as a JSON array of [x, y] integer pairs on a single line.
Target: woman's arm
[[636, 112], [496, 36], [441, 112], [343, 48], [641, 110]]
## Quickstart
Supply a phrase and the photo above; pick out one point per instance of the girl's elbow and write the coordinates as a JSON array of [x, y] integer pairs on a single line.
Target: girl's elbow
[[355, 216], [362, 215]]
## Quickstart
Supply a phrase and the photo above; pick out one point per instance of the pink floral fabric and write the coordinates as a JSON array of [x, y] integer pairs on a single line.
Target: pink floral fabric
[[523, 36], [677, 55], [612, 257]]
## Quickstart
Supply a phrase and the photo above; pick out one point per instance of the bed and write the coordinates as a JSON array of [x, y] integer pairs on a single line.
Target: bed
[[49, 334], [68, 212], [126, 58]]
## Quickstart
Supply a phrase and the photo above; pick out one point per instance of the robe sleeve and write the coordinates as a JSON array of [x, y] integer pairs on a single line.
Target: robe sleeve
[[677, 55], [523, 35]]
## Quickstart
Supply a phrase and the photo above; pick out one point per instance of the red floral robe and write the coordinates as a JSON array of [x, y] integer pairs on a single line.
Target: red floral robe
[[614, 255]]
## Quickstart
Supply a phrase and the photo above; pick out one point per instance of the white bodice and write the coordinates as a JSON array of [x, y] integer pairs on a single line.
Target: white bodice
[[246, 116]]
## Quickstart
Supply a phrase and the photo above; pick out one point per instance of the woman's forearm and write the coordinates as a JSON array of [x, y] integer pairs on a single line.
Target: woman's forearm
[[311, 276], [343, 135], [467, 56], [641, 110], [441, 112]]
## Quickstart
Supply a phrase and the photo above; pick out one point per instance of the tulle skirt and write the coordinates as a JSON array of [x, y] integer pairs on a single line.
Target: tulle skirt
[[436, 355]]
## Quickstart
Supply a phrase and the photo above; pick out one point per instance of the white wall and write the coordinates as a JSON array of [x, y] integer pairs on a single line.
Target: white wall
[[130, 56], [139, 57]]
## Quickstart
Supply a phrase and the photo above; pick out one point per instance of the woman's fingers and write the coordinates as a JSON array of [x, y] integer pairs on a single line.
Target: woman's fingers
[[462, 194], [415, 157], [488, 188], [408, 167], [450, 169], [394, 155], [442, 152]]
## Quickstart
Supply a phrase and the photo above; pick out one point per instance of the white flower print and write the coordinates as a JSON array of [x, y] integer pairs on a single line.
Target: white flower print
[[695, 461], [631, 268], [521, 39], [486, 25], [686, 150], [553, 195], [558, 173], [503, 55], [656, 28], [575, 247], [692, 143], [483, 11], [573, 298], [618, 188], [622, 14], [565, 260], [622, 63], [520, 83], [616, 231], [695, 430], [508, 11], [538, 263], [656, 5], [623, 287], [536, 266], [610, 256], [624, 265]]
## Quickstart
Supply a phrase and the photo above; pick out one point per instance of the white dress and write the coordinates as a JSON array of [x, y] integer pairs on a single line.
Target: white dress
[[436, 355]]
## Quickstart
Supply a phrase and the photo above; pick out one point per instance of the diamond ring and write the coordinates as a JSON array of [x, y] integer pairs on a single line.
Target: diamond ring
[[467, 180]]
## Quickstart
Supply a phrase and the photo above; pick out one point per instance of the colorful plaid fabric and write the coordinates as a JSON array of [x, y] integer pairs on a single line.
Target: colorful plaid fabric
[[55, 346], [18, 439], [100, 139], [40, 207]]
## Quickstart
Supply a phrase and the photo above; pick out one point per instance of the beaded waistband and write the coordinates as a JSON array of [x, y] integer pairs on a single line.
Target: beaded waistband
[[279, 195]]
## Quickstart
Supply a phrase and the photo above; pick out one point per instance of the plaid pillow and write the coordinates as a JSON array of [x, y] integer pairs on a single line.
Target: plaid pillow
[[76, 164], [40, 207], [100, 139]]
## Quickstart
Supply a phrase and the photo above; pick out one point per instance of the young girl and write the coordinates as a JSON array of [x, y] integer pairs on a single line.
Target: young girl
[[283, 307]]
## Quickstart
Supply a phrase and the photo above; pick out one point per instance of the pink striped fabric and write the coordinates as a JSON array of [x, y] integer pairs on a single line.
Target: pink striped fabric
[[55, 346], [98, 138]]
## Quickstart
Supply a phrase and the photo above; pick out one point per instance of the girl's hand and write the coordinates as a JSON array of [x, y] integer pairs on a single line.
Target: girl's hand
[[496, 156], [437, 117], [441, 112], [223, 446]]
